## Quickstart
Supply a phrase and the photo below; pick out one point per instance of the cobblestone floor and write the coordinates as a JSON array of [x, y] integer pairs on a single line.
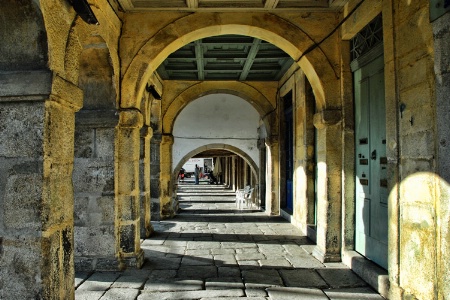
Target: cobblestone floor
[[213, 251]]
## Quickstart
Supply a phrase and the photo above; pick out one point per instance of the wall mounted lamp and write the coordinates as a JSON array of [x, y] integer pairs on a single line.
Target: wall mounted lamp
[[151, 89], [84, 10]]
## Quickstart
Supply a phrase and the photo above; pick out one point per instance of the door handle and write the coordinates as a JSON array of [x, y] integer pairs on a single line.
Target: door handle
[[373, 155]]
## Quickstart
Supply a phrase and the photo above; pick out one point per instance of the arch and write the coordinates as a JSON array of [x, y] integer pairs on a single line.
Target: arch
[[22, 25], [199, 150], [96, 75], [249, 93], [272, 28]]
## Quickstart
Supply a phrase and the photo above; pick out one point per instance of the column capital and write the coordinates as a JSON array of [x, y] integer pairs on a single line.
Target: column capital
[[327, 117], [272, 140], [146, 131], [167, 139], [130, 118]]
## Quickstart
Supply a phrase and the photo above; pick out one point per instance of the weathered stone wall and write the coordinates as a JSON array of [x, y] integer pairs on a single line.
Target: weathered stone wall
[[417, 184], [441, 33], [93, 180], [21, 184]]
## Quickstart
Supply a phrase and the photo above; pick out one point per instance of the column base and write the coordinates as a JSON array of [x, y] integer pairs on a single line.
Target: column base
[[135, 261], [326, 257]]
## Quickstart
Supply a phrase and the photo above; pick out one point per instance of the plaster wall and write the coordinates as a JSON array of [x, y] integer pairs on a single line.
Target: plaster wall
[[216, 119]]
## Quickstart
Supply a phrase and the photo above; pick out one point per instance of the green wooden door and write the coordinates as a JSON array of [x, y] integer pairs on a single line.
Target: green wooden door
[[371, 162]]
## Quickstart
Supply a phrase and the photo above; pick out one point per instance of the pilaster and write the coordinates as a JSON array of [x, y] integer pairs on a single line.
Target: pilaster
[[167, 204], [144, 181], [127, 157], [329, 183]]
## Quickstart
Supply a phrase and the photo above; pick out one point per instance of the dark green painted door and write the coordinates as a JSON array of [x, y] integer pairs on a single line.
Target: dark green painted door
[[371, 235]]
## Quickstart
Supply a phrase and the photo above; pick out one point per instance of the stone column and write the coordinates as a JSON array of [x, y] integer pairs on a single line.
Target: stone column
[[36, 193], [273, 168], [144, 179], [329, 183], [262, 173], [155, 170], [127, 155], [233, 183], [167, 204]]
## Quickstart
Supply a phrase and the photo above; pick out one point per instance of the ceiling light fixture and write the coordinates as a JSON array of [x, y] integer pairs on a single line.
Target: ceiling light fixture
[[84, 10], [151, 89]]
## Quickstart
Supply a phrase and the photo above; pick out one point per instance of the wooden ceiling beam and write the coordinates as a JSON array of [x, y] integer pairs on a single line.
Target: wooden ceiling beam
[[192, 3], [271, 4]]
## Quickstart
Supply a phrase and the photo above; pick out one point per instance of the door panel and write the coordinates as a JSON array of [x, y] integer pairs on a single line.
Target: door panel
[[371, 162]]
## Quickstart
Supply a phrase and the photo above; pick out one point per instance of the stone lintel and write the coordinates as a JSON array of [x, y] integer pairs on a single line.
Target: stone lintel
[[97, 118], [130, 118], [327, 118]]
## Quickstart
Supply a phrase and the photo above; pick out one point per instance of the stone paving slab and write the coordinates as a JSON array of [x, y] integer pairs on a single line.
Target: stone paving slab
[[88, 295], [80, 277], [130, 282], [291, 293], [192, 294], [99, 281], [172, 285], [275, 263], [303, 278], [201, 272], [261, 278], [353, 294], [224, 283], [120, 294], [341, 278], [213, 251]]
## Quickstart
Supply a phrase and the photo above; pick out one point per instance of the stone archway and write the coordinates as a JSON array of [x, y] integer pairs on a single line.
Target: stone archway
[[229, 148], [274, 29], [260, 97]]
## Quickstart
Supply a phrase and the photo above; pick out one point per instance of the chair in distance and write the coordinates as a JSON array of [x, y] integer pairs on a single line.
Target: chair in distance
[[244, 196]]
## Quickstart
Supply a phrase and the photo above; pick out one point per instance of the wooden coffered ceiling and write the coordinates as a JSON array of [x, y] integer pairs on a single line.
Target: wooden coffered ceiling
[[226, 57]]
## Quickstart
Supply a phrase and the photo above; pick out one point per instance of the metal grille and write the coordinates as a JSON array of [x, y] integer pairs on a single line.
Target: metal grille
[[367, 38]]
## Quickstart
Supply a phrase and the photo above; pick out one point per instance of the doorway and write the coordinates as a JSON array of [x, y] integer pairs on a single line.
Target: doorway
[[371, 234]]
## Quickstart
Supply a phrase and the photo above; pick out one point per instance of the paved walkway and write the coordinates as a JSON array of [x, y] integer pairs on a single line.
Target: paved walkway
[[213, 251]]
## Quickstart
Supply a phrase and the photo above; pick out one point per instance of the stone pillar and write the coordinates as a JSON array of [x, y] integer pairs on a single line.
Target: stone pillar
[[36, 193], [128, 247], [233, 173], [262, 173], [144, 182], [155, 170], [93, 179], [273, 169], [167, 204], [329, 182]]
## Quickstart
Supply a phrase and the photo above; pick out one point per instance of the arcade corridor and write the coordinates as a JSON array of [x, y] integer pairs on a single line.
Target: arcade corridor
[[213, 250]]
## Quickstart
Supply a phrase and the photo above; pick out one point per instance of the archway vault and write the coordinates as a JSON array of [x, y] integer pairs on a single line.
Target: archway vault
[[230, 148], [254, 95], [283, 33]]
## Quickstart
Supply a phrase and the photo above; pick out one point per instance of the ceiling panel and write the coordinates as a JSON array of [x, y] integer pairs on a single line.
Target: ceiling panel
[[226, 57]]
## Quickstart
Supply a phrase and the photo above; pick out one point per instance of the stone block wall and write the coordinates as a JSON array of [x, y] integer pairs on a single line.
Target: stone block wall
[[21, 174], [93, 179]]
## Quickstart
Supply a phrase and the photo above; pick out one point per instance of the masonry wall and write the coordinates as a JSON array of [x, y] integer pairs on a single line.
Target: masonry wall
[[93, 180]]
